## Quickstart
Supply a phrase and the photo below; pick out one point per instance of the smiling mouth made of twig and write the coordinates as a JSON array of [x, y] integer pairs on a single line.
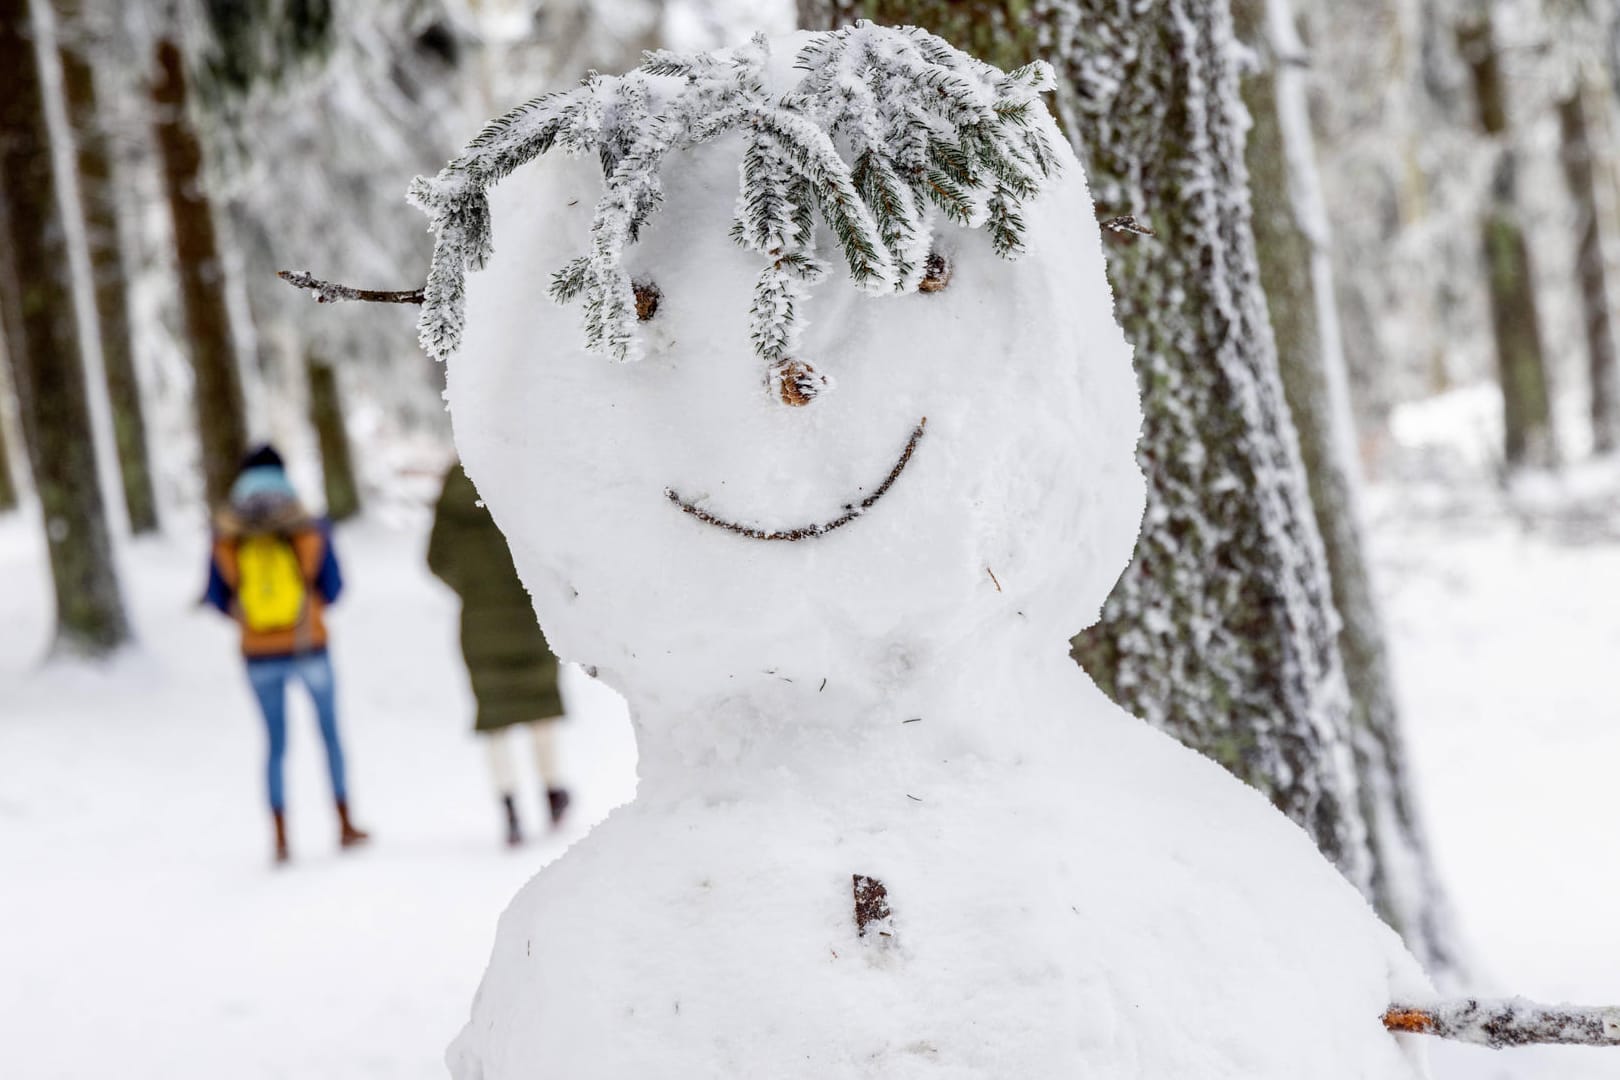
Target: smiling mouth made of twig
[[852, 510]]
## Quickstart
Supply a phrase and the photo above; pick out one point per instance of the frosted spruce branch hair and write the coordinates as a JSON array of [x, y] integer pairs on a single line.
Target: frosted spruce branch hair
[[887, 127]]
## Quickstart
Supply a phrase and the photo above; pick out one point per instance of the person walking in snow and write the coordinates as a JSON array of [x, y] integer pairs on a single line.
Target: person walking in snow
[[513, 672], [273, 570]]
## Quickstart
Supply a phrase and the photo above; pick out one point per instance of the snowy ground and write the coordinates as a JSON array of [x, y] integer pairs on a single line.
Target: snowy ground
[[143, 933]]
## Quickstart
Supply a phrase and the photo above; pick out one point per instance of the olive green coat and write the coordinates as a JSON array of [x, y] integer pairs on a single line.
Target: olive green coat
[[514, 674]]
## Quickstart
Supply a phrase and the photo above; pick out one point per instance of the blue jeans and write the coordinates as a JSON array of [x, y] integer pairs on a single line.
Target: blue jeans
[[268, 676]]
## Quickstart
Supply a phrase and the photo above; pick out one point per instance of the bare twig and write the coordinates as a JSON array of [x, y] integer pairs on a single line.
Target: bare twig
[[993, 579], [330, 292], [851, 510], [1509, 1022], [1128, 225]]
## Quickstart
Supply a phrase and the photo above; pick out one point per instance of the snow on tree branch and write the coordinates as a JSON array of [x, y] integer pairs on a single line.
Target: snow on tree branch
[[1509, 1022], [888, 127]]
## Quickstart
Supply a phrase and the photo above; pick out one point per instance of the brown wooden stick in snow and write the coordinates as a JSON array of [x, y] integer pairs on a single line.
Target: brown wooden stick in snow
[[1508, 1022], [330, 292], [851, 510]]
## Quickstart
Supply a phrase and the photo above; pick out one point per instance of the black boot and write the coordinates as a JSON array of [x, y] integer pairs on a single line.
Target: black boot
[[514, 829], [557, 804]]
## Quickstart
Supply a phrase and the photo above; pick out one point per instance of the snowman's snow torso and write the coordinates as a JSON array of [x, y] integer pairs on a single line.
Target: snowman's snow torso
[[1072, 894]]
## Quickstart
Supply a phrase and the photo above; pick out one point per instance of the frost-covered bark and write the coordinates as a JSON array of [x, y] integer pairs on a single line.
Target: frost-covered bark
[[43, 342], [98, 198], [1584, 170], [220, 408], [1509, 1022], [1291, 241], [1222, 630], [1521, 364]]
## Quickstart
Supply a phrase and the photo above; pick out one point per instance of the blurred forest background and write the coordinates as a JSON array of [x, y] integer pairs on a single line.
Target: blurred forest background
[[1368, 253]]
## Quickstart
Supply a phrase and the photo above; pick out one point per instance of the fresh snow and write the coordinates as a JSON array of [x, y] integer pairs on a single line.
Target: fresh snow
[[143, 931]]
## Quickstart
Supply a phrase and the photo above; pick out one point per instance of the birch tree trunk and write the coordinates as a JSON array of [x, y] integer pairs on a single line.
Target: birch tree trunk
[[1222, 630], [1290, 231], [43, 342], [98, 197], [1521, 366], [221, 413], [1591, 271]]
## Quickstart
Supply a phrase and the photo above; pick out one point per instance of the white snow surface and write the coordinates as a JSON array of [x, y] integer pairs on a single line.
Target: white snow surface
[[1073, 894]]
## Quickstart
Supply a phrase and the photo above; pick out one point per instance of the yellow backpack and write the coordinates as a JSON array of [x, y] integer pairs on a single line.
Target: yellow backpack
[[270, 587]]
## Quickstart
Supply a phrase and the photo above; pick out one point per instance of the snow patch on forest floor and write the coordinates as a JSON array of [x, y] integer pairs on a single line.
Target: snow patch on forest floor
[[143, 933]]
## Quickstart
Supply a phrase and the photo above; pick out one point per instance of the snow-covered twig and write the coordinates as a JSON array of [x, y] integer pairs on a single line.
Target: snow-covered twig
[[851, 511], [330, 292], [1508, 1022]]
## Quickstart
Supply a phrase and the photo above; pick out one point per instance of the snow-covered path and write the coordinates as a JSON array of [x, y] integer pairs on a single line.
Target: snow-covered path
[[143, 933]]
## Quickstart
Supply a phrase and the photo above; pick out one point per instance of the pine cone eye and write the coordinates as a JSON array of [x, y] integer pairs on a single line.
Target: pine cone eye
[[796, 382], [647, 297], [936, 273]]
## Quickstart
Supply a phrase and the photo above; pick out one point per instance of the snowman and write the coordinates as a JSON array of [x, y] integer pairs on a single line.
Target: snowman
[[823, 458]]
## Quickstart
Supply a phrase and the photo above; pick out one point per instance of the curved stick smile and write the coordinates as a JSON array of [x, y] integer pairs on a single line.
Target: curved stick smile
[[851, 510]]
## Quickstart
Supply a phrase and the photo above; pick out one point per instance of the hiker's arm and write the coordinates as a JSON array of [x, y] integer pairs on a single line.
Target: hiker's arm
[[218, 593], [329, 578]]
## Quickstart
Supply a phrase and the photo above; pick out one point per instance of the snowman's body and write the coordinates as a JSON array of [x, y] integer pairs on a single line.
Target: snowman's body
[[1072, 894]]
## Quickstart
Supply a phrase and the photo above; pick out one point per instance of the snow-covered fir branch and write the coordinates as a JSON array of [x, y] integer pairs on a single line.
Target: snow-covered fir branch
[[887, 128], [1508, 1022]]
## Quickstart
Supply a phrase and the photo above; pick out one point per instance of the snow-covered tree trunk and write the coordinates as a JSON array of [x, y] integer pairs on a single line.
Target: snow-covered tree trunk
[[43, 342], [98, 196], [1222, 630], [1580, 144], [326, 417], [1291, 239], [1522, 366], [221, 411]]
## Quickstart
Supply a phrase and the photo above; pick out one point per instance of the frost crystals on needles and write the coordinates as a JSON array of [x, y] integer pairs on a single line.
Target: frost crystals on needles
[[886, 128]]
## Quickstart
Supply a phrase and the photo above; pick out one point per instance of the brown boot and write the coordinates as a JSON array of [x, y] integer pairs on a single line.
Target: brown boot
[[282, 854], [348, 835]]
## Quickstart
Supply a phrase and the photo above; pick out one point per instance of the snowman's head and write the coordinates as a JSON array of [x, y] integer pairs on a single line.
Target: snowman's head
[[890, 479]]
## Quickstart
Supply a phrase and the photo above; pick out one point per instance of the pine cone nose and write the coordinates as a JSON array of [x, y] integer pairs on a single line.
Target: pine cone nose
[[796, 382]]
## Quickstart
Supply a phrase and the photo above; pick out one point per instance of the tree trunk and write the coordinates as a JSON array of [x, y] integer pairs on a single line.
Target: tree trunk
[[1591, 271], [9, 496], [1521, 366], [326, 415], [1291, 244], [1222, 630], [44, 347], [98, 199], [221, 414]]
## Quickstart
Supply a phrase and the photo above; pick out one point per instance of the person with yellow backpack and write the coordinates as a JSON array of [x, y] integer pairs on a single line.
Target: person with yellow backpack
[[273, 570]]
